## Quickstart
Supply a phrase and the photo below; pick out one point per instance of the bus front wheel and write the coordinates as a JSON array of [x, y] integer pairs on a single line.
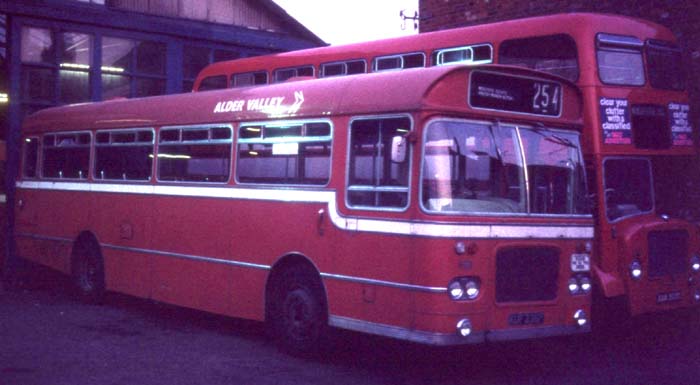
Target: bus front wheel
[[298, 316], [88, 272]]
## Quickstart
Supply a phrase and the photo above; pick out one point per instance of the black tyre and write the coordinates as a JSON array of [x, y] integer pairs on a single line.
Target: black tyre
[[88, 272], [297, 313]]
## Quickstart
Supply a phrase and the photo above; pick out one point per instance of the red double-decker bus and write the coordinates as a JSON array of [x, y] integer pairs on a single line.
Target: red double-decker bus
[[443, 205], [637, 138]]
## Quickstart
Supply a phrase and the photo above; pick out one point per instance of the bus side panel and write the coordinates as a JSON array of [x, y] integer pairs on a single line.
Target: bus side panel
[[384, 261], [196, 234], [122, 224], [47, 224]]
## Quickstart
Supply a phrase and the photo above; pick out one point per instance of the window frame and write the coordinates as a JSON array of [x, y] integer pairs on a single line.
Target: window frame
[[409, 158], [440, 52], [273, 140], [402, 60], [610, 42], [124, 130], [208, 141], [42, 158]]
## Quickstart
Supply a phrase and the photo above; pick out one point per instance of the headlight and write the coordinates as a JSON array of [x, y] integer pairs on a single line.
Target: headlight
[[455, 289], [464, 288], [585, 284], [636, 270], [464, 327], [695, 263], [573, 285], [579, 284]]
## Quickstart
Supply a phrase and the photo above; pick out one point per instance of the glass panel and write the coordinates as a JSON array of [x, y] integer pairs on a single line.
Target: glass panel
[[620, 67], [75, 86], [149, 87], [124, 162], [194, 59], [374, 179], [415, 60], [555, 54], [665, 65], [117, 54], [114, 86], [213, 83], [38, 84], [31, 157], [628, 189], [472, 168], [151, 58], [249, 79], [37, 46], [555, 172], [289, 154], [77, 51], [194, 163], [65, 157]]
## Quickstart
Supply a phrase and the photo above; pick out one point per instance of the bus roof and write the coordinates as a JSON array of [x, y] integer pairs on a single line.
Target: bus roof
[[444, 88], [575, 24]]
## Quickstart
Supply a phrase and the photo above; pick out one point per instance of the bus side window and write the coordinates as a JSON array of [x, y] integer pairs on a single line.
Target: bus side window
[[374, 179], [30, 158], [124, 155], [213, 83], [66, 155], [555, 54], [284, 154], [195, 154]]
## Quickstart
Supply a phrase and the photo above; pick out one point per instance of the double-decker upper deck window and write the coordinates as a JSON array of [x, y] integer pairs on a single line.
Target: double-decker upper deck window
[[195, 154], [290, 153], [343, 68], [66, 155], [478, 167], [398, 62], [124, 154], [217, 82], [284, 74], [379, 163], [620, 59], [248, 79], [665, 65], [472, 55], [555, 54]]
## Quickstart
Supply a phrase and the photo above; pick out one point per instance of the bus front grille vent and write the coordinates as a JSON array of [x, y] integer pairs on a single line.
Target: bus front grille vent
[[526, 274]]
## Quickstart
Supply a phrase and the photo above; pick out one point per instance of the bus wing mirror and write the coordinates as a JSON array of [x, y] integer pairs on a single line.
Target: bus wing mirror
[[399, 144]]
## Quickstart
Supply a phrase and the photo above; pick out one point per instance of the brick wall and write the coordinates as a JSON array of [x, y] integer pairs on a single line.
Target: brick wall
[[681, 16]]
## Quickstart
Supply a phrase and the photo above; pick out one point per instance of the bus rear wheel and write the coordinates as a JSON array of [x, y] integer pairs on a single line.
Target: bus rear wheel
[[298, 315], [88, 272]]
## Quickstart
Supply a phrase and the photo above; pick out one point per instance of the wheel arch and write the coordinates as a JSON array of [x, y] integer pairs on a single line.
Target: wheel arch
[[288, 261]]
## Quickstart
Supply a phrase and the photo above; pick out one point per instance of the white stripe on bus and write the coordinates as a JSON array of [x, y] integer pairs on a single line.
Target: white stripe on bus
[[329, 197]]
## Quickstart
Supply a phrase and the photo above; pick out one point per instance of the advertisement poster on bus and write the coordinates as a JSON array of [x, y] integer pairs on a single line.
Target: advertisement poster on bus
[[681, 129], [615, 121]]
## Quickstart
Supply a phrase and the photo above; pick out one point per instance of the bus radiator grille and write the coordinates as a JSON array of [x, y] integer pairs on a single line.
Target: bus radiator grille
[[526, 274], [667, 252]]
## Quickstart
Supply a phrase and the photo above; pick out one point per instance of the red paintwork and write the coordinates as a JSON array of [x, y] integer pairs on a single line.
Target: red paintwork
[[582, 27], [262, 232]]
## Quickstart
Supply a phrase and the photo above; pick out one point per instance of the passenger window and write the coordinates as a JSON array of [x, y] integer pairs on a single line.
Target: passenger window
[[66, 155], [124, 155], [374, 179], [397, 62], [284, 74], [213, 83], [620, 59], [554, 54], [350, 67], [195, 154], [296, 153], [471, 55], [30, 157], [248, 79]]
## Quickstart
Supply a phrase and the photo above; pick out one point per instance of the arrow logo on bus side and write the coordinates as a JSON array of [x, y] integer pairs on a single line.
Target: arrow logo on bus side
[[298, 101]]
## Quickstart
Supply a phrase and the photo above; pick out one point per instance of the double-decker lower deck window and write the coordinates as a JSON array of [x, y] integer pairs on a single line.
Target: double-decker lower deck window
[[291, 153], [376, 179], [66, 155], [195, 154], [478, 167], [30, 158], [124, 154]]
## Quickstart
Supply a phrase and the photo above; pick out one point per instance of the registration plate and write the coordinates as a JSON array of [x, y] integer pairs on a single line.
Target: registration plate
[[518, 319], [668, 297]]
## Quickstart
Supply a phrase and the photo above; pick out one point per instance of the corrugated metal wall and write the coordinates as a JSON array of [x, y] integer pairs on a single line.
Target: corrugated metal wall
[[244, 13]]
